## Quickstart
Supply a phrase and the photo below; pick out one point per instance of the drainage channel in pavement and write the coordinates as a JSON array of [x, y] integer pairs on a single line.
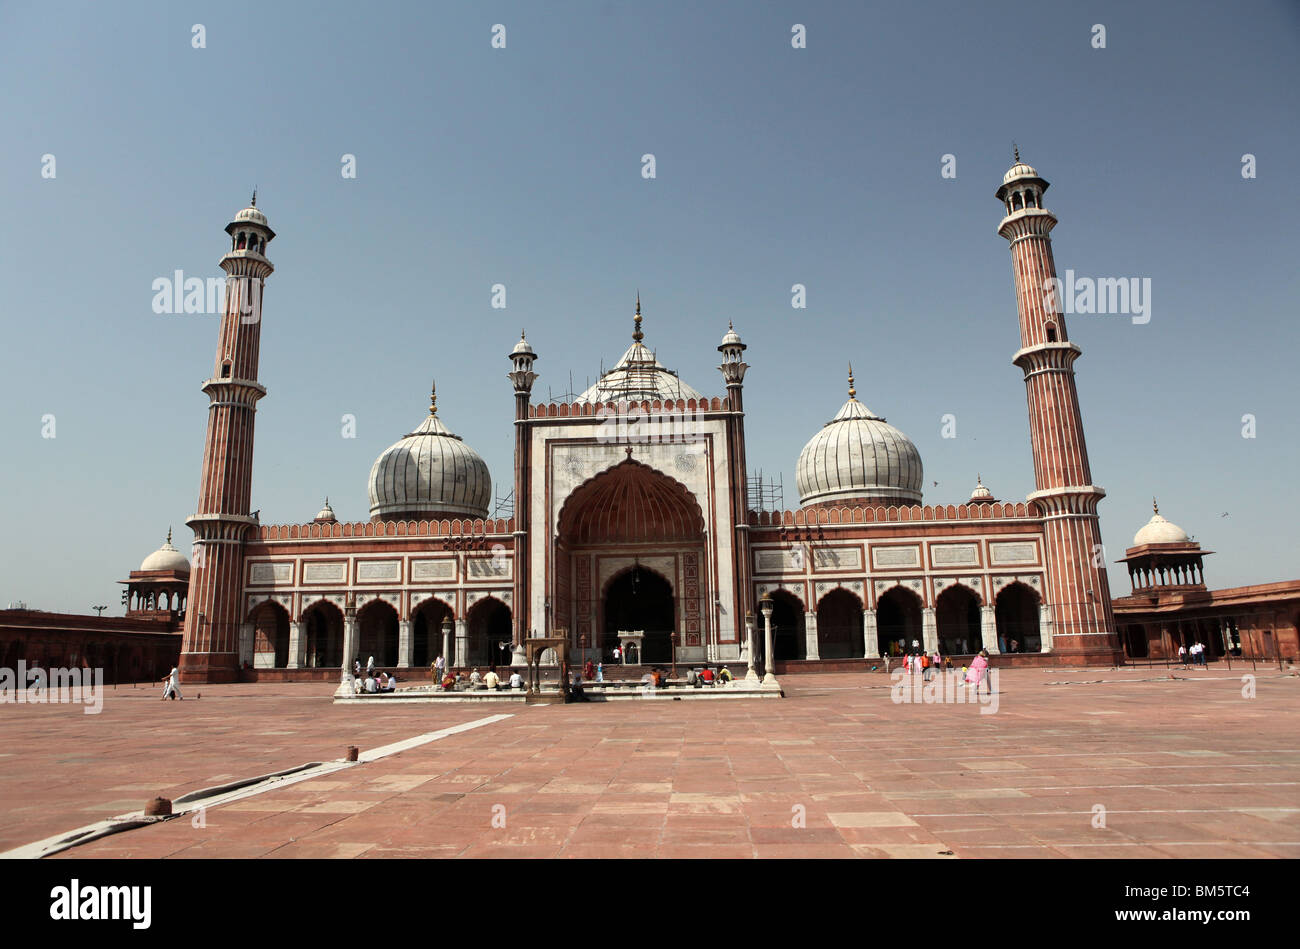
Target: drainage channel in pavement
[[228, 793]]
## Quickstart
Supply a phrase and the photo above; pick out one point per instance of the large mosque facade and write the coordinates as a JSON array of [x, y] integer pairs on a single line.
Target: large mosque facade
[[633, 523]]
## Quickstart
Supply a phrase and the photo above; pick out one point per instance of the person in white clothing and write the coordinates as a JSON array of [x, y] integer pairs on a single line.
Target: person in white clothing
[[516, 680], [172, 688]]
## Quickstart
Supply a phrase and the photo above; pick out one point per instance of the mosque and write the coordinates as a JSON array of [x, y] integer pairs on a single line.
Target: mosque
[[633, 526]]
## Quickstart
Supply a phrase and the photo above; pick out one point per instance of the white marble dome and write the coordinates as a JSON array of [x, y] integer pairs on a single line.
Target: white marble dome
[[1019, 170], [429, 474], [523, 347], [859, 457], [1160, 531], [636, 377], [166, 557], [251, 214]]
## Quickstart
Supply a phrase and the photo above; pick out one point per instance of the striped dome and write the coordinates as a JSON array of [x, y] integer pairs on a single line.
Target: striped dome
[[429, 474], [859, 458]]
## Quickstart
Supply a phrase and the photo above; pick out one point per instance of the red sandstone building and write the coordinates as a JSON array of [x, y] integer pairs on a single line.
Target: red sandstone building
[[141, 646], [633, 522], [1170, 605]]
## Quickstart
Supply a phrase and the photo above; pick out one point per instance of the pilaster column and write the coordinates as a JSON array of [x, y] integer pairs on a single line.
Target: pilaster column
[[297, 644], [1045, 626], [247, 632], [751, 675], [870, 635], [769, 664], [405, 645], [810, 635], [929, 631], [346, 678], [989, 629], [446, 651], [462, 641]]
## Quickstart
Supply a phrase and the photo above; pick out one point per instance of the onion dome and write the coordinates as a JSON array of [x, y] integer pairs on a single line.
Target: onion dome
[[638, 375], [252, 214], [1160, 531], [428, 475], [858, 458], [523, 347], [731, 339], [981, 494], [166, 557], [1021, 174], [326, 515], [1019, 170]]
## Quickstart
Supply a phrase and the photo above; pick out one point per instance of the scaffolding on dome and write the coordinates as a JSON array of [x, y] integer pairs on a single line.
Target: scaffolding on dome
[[504, 507], [765, 494]]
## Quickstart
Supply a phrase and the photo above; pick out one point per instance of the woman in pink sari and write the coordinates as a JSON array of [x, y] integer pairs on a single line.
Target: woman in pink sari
[[979, 669]]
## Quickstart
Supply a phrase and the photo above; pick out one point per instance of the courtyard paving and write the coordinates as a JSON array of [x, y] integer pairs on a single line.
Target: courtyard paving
[[1074, 763]]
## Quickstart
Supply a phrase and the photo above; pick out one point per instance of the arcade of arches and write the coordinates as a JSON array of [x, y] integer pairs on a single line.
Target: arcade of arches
[[958, 620], [378, 634]]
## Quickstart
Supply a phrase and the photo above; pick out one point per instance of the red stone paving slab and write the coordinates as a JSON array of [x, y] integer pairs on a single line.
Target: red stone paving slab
[[1183, 768]]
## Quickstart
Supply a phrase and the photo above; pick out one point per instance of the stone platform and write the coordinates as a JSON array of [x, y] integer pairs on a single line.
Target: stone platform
[[611, 691]]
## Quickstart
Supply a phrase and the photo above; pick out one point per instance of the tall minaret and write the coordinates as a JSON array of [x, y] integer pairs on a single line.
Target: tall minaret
[[733, 373], [223, 521], [523, 377], [1081, 623]]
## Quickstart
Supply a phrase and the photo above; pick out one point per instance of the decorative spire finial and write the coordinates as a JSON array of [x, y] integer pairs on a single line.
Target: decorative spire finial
[[254, 201], [853, 393], [1154, 506], [637, 335], [978, 479], [433, 398], [169, 534], [1016, 149]]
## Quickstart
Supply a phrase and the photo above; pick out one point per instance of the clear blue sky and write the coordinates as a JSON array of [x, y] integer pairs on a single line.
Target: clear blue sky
[[521, 166]]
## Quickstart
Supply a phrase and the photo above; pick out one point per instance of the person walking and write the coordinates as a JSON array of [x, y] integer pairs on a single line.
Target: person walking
[[1182, 655], [172, 689], [979, 671]]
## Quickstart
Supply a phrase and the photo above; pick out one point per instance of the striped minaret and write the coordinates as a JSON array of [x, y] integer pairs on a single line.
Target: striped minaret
[[223, 520], [1082, 626]]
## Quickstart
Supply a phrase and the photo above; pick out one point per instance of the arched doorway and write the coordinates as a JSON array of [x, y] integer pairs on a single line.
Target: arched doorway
[[839, 625], [608, 530], [489, 627], [323, 628], [898, 621], [377, 634], [270, 636], [789, 633], [426, 633], [1017, 616], [1135, 641], [957, 618], [640, 599]]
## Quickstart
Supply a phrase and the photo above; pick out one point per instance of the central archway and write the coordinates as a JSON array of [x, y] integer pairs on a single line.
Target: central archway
[[640, 599], [630, 554]]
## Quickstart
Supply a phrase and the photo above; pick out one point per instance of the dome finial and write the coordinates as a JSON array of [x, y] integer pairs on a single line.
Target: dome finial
[[978, 479], [1155, 508], [637, 335], [253, 203], [1016, 150], [853, 393], [433, 398], [169, 534]]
